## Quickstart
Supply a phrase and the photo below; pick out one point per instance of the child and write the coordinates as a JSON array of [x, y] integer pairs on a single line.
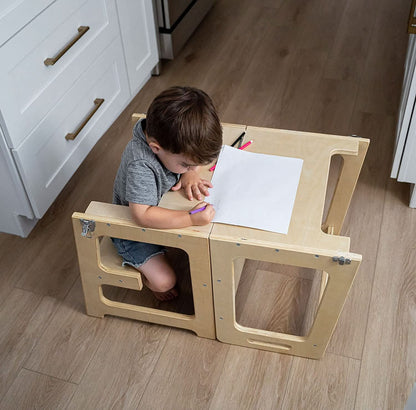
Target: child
[[181, 132]]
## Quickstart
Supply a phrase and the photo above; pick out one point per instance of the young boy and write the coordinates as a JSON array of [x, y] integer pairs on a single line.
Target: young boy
[[181, 132]]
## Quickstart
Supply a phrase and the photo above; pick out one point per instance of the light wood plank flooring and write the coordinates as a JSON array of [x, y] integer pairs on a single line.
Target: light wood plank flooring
[[314, 65]]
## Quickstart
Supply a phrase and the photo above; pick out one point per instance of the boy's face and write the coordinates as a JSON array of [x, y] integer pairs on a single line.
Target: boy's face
[[177, 163]]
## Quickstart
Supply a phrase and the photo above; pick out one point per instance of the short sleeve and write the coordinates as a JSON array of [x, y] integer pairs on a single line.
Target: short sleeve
[[141, 183]]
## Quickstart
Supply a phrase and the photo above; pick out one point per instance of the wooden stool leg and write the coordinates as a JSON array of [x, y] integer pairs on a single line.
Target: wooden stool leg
[[338, 278], [95, 274], [344, 189]]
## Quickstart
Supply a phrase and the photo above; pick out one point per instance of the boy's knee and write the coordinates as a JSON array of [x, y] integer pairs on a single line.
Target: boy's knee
[[159, 274], [165, 283]]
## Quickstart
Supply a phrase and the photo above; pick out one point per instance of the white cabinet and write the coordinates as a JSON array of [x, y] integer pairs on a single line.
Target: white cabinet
[[16, 214], [137, 22], [404, 163], [30, 89], [68, 69]]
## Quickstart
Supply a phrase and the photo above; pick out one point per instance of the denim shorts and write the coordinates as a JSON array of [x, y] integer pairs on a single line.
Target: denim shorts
[[136, 253]]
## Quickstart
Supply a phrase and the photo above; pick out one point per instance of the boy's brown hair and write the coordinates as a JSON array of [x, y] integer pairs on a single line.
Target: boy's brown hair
[[183, 120]]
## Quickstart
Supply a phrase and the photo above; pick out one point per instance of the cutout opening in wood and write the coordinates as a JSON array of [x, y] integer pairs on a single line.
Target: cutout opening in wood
[[277, 298], [335, 168], [178, 259]]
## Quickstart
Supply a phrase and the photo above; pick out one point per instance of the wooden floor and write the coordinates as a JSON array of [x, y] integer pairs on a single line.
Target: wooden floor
[[314, 65]]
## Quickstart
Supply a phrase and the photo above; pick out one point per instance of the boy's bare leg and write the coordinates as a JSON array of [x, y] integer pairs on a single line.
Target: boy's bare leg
[[160, 277]]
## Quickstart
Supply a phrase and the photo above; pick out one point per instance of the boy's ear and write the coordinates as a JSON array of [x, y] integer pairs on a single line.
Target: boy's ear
[[155, 147]]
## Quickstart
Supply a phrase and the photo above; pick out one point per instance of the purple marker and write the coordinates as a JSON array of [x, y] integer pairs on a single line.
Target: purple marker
[[197, 210]]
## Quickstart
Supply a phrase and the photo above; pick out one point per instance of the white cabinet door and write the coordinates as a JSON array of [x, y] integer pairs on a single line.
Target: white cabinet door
[[138, 33], [14, 14], [16, 215]]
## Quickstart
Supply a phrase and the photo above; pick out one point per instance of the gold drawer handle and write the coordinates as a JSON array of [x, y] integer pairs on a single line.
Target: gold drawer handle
[[81, 31], [73, 135], [411, 29]]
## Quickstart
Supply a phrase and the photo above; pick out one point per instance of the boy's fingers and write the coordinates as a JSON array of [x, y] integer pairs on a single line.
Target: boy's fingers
[[211, 211], [207, 183], [188, 192], [204, 190], [177, 186], [197, 192], [200, 205]]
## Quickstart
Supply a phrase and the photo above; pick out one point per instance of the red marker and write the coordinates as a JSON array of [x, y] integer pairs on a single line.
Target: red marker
[[246, 144], [242, 147]]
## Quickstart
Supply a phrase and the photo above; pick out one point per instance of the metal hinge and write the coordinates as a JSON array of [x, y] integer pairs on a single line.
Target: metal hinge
[[87, 227], [341, 260]]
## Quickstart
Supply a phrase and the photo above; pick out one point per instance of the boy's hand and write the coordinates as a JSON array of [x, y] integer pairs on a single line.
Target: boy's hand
[[203, 217], [194, 185]]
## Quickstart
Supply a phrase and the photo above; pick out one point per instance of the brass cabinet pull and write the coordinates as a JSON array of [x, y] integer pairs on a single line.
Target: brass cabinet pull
[[73, 135], [411, 29], [81, 31]]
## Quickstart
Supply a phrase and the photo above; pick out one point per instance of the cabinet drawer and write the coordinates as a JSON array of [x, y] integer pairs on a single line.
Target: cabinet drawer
[[31, 89], [17, 13], [46, 160]]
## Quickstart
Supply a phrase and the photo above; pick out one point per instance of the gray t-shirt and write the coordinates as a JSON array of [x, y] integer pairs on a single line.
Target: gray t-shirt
[[141, 178]]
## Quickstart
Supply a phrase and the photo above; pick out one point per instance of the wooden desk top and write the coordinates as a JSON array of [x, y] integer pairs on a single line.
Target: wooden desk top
[[305, 226]]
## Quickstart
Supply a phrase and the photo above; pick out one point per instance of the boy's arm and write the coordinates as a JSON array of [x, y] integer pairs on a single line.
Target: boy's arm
[[162, 218], [193, 185]]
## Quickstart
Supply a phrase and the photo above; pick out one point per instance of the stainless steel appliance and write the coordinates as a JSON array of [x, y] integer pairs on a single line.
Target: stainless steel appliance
[[177, 20]]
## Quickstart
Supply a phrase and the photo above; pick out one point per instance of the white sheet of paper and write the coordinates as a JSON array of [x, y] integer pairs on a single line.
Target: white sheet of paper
[[254, 190]]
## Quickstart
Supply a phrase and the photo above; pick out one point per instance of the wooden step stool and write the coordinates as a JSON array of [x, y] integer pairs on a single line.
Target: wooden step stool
[[101, 265], [307, 244]]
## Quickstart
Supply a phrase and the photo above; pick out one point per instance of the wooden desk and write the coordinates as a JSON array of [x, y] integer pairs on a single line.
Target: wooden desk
[[309, 243], [218, 251]]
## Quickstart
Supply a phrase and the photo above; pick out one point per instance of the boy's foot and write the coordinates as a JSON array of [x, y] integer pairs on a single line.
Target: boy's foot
[[165, 296]]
